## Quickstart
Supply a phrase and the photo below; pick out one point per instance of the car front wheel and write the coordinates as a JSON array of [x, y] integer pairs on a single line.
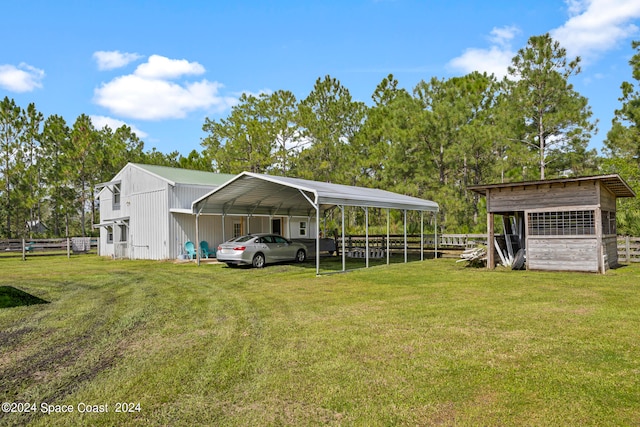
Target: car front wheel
[[301, 256], [258, 261]]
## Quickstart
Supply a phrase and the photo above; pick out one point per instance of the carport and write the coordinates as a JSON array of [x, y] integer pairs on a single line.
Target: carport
[[252, 194]]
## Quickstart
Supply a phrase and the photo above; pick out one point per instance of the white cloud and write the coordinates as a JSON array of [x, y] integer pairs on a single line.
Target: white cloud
[[23, 78], [503, 36], [493, 60], [150, 94], [101, 121], [108, 60], [596, 26], [160, 67]]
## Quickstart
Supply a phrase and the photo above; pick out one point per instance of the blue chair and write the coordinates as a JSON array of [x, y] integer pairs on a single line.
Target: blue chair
[[205, 251], [191, 250]]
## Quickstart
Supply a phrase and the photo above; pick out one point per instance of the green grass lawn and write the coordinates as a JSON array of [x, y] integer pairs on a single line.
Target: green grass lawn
[[424, 343]]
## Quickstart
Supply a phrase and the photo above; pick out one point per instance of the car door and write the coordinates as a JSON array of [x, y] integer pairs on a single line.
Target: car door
[[268, 247], [282, 248]]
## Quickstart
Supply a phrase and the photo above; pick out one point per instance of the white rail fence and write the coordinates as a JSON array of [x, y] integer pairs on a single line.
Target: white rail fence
[[628, 246], [62, 246]]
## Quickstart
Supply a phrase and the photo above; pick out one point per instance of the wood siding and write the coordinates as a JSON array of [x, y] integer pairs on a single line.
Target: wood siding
[[607, 200], [610, 244], [542, 197], [562, 254]]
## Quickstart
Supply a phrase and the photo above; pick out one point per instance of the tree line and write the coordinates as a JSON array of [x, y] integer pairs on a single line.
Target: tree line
[[431, 142]]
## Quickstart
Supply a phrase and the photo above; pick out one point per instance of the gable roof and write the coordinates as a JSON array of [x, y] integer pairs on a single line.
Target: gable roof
[[259, 194], [613, 182], [185, 176]]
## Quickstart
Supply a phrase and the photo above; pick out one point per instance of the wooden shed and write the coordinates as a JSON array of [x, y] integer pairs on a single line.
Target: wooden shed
[[560, 224]]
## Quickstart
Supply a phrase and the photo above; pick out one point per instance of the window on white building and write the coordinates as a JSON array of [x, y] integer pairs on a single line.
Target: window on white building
[[116, 196]]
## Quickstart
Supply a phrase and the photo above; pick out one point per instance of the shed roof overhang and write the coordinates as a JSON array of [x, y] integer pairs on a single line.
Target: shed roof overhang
[[259, 194], [112, 221], [613, 183]]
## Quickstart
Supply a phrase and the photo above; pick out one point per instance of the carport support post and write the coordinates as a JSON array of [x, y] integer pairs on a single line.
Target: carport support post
[[405, 235], [317, 240], [435, 234], [388, 235], [366, 236], [421, 235], [197, 243], [223, 239], [344, 254]]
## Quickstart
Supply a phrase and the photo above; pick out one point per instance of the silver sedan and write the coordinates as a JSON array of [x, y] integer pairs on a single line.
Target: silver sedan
[[260, 249]]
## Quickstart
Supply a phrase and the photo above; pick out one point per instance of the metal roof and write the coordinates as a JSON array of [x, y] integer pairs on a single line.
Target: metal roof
[[613, 182], [259, 194], [185, 176]]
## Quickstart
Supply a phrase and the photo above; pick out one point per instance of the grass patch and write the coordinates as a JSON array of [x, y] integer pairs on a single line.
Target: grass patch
[[425, 343]]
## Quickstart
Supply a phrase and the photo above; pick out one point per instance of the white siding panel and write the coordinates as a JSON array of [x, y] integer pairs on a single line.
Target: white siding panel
[[310, 232], [182, 229], [210, 229], [148, 226], [181, 196], [140, 181]]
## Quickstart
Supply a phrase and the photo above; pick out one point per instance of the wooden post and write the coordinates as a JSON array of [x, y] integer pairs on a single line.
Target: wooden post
[[24, 250], [68, 248], [627, 244], [490, 238]]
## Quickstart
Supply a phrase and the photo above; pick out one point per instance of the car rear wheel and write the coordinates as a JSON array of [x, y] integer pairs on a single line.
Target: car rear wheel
[[301, 256], [258, 260]]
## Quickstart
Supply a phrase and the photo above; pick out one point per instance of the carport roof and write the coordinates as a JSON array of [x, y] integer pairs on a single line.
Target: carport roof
[[259, 194]]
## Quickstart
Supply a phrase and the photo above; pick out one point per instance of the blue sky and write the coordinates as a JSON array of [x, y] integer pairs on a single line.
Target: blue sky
[[163, 66]]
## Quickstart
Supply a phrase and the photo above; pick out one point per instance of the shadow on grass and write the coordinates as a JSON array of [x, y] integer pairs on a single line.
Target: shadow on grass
[[330, 264], [13, 297], [333, 264]]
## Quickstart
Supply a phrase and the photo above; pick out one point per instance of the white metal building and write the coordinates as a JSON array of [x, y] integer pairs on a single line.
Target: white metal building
[[150, 212], [137, 218], [145, 213]]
